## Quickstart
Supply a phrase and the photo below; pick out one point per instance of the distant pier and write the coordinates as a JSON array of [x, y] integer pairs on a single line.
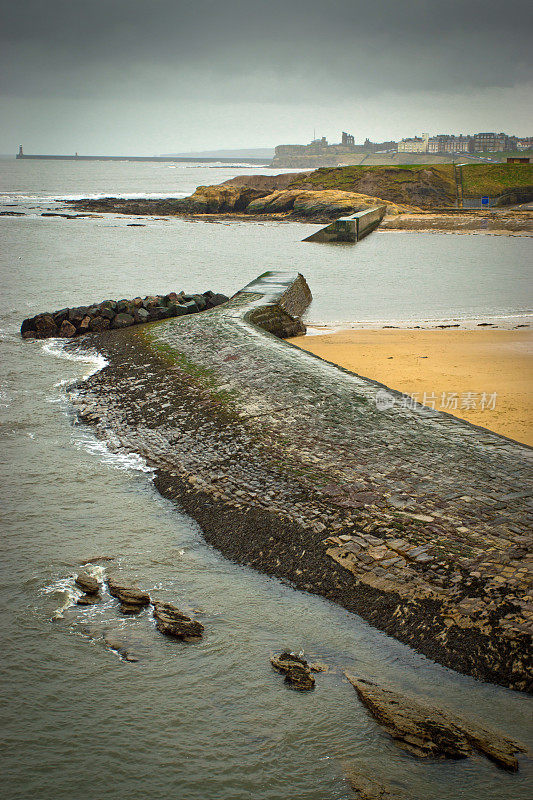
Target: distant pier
[[175, 159]]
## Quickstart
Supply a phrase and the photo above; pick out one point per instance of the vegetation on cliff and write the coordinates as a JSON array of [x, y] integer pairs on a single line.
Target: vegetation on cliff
[[424, 186]]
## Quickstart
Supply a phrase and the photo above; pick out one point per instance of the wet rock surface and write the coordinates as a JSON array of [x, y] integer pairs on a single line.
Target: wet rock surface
[[415, 520], [127, 594], [98, 317], [88, 583], [365, 787], [296, 670], [170, 621], [429, 731]]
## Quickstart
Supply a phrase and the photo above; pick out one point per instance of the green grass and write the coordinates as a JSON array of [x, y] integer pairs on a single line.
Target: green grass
[[394, 181]]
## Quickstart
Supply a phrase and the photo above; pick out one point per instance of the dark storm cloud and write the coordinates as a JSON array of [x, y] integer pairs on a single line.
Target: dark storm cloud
[[235, 49], [148, 76]]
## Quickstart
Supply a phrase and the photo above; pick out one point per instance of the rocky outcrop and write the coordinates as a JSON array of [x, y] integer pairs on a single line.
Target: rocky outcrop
[[296, 670], [172, 622], [425, 187], [132, 599], [88, 583], [98, 317], [221, 199], [426, 730], [330, 203]]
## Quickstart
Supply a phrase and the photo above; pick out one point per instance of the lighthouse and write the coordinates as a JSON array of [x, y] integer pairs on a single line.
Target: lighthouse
[[20, 153]]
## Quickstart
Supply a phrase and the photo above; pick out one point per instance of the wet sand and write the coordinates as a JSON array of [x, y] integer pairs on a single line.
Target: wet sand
[[483, 376]]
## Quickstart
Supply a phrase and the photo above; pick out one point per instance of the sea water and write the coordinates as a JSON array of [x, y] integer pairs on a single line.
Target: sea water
[[211, 719]]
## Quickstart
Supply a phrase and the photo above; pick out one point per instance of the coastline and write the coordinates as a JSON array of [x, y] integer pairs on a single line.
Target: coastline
[[482, 375], [500, 221], [297, 482]]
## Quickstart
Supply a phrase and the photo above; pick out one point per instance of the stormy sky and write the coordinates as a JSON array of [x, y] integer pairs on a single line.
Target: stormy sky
[[158, 76]]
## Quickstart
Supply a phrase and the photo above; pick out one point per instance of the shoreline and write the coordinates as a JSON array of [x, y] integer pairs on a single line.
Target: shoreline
[[480, 375], [296, 486], [502, 221]]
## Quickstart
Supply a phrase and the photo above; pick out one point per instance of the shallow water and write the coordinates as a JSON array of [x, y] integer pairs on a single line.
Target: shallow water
[[211, 719]]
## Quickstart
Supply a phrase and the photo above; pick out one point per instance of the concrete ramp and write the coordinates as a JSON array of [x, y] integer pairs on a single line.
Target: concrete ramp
[[351, 228]]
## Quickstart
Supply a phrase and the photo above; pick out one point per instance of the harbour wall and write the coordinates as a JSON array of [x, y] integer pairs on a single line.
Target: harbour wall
[[351, 228], [184, 159], [412, 518]]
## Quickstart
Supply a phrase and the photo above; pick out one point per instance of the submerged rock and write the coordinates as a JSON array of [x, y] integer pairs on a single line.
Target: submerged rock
[[88, 583], [296, 670], [366, 788], [426, 730], [172, 622], [114, 640], [88, 599], [130, 608]]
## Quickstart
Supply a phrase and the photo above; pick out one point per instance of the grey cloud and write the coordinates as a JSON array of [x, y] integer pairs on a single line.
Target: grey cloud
[[60, 47], [323, 60]]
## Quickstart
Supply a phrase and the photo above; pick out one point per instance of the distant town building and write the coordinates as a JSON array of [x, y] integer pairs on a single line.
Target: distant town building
[[493, 142], [449, 143], [415, 145], [320, 153]]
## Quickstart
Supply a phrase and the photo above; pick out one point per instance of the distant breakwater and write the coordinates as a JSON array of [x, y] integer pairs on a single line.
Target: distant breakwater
[[115, 314], [179, 159]]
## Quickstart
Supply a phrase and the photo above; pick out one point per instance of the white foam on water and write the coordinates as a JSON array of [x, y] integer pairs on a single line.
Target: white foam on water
[[42, 198], [117, 459], [71, 592], [108, 452], [56, 347]]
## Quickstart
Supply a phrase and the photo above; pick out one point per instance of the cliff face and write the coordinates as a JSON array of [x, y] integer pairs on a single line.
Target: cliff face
[[268, 183], [328, 203], [219, 199], [425, 187], [296, 203]]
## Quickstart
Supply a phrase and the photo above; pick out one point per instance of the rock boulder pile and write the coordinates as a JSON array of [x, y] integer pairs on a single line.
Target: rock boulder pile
[[114, 314]]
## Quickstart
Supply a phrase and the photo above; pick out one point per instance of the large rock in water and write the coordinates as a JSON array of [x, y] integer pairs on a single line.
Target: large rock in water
[[88, 583], [127, 594], [172, 622], [427, 730], [296, 670], [218, 199], [44, 326]]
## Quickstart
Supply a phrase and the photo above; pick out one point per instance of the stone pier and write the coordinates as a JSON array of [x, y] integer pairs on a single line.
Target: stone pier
[[351, 228], [414, 519]]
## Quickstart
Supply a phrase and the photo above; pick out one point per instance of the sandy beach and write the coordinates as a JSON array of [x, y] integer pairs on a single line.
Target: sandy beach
[[483, 376]]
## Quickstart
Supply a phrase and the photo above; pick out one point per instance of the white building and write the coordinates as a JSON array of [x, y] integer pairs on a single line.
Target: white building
[[416, 145]]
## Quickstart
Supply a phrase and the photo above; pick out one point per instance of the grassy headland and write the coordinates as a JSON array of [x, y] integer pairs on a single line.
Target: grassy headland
[[424, 186]]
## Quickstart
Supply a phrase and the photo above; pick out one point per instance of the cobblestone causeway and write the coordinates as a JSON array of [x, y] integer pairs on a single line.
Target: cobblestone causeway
[[414, 519]]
